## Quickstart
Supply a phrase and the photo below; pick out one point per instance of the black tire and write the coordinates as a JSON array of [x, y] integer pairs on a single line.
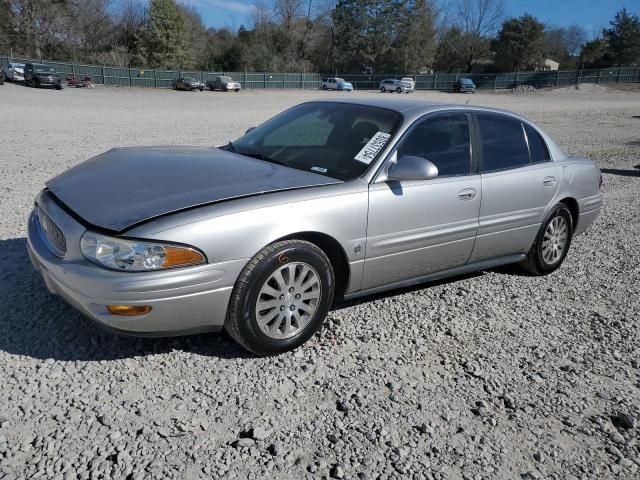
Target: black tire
[[398, 90], [241, 321], [201, 89], [59, 87], [382, 89], [237, 90], [535, 262], [324, 87], [35, 83]]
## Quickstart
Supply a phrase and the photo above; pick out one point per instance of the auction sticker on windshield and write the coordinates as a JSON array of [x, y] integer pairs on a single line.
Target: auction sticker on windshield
[[373, 147]]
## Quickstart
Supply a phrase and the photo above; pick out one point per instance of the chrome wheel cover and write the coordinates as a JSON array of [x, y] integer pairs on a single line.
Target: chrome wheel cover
[[554, 241], [288, 300]]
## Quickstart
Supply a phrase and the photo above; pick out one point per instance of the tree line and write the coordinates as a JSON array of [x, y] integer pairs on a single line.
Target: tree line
[[349, 36]]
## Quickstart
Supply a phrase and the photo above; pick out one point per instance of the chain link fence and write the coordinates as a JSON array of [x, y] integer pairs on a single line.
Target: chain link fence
[[157, 78]]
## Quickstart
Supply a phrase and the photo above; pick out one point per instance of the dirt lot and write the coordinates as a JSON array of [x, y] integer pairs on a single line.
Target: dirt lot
[[494, 375]]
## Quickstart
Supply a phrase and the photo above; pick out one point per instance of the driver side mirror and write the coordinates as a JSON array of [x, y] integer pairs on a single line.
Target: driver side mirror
[[411, 167]]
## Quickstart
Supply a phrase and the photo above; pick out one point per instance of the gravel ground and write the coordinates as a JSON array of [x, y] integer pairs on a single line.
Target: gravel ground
[[493, 375]]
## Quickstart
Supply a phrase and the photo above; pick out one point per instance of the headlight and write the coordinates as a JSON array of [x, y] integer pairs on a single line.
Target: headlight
[[136, 256]]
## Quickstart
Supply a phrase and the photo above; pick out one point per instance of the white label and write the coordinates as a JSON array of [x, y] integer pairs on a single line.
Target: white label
[[373, 147]]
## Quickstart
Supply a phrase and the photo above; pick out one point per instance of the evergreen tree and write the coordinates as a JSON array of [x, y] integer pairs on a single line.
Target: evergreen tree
[[166, 39], [623, 39], [520, 44]]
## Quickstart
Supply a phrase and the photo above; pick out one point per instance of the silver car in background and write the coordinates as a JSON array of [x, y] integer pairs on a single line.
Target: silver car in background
[[327, 200], [398, 86]]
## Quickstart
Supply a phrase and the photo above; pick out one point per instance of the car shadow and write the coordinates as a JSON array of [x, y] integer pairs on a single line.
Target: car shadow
[[341, 303], [38, 324], [621, 172]]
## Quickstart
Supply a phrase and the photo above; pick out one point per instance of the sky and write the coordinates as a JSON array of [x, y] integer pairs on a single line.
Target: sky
[[590, 14]]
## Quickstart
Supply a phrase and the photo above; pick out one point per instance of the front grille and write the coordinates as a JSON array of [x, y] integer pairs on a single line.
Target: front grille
[[51, 233]]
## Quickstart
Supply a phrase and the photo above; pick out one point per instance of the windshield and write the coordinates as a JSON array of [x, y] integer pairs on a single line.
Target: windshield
[[339, 140], [467, 81], [226, 79], [43, 69], [340, 80], [189, 79]]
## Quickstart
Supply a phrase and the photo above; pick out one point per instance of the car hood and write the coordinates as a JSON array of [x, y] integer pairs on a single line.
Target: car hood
[[126, 186]]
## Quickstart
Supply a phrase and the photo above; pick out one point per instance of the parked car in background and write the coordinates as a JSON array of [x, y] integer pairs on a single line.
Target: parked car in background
[[336, 84], [38, 75], [14, 72], [327, 199], [187, 83], [410, 81], [464, 85], [224, 83], [398, 86]]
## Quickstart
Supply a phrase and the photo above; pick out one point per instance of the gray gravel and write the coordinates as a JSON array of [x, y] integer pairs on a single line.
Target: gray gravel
[[494, 375]]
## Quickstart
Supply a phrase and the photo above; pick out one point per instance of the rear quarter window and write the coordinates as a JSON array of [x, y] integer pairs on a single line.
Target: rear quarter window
[[537, 146]]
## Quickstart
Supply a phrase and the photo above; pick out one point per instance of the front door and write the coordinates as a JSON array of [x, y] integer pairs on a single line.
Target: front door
[[421, 227]]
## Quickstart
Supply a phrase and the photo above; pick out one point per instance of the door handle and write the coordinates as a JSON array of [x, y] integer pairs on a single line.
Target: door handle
[[467, 194], [549, 181]]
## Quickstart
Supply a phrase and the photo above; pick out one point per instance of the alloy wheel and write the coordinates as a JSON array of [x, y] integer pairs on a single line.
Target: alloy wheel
[[288, 300], [555, 240]]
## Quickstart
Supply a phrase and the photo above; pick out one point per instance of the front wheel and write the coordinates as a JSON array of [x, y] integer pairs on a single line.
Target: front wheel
[[281, 297], [382, 89], [552, 242]]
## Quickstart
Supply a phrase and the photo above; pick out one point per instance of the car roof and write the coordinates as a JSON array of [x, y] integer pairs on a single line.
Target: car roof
[[399, 105], [416, 106]]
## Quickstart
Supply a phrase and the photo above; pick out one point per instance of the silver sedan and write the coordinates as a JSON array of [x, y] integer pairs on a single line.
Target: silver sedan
[[328, 200]]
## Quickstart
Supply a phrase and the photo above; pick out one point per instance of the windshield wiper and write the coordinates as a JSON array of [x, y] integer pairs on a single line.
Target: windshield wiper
[[260, 156]]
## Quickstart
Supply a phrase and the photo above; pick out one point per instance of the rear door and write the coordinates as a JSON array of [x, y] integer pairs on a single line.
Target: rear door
[[420, 227], [519, 180]]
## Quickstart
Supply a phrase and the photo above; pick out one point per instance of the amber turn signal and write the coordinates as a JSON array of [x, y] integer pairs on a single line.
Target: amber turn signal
[[180, 256], [128, 310]]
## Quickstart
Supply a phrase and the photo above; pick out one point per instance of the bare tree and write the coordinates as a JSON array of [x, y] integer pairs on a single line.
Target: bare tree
[[261, 15], [480, 17], [36, 20], [287, 11], [478, 20], [575, 38]]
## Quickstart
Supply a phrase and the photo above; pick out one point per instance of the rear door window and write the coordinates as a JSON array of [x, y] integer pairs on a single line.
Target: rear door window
[[502, 142]]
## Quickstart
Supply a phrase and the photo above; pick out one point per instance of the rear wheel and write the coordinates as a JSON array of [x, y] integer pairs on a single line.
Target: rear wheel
[[324, 87], [398, 90], [281, 297], [382, 89], [552, 242]]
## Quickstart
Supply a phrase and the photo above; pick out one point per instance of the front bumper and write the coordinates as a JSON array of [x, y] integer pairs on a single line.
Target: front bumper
[[185, 300], [47, 82]]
